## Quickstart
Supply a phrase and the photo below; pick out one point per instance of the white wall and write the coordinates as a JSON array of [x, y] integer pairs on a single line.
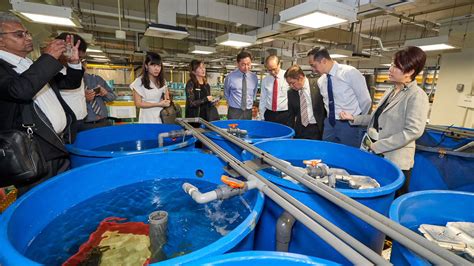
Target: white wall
[[456, 68]]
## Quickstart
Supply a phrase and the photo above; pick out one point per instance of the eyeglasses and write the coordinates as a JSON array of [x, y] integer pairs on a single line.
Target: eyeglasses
[[18, 33]]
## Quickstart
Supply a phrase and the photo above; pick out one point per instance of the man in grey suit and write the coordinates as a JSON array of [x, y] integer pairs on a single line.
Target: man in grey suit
[[401, 116]]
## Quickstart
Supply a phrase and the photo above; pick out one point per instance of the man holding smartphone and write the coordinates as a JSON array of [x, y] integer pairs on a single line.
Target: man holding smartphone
[[97, 94]]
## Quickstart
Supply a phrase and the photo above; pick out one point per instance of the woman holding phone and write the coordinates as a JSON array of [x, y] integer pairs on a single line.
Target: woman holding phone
[[198, 92], [150, 93]]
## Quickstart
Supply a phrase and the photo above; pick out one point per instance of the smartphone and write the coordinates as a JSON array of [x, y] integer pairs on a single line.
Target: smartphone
[[366, 142], [97, 90], [68, 51]]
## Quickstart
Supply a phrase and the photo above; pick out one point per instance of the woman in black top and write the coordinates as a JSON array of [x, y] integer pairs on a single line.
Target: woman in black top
[[198, 92]]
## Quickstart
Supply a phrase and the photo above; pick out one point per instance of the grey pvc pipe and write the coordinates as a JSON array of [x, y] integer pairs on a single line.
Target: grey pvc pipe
[[404, 236], [158, 234], [284, 228], [332, 240]]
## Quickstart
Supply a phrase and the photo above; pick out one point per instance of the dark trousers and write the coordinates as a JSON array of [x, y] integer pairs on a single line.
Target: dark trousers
[[55, 167], [237, 113], [342, 132], [309, 132], [406, 185], [95, 124], [281, 117]]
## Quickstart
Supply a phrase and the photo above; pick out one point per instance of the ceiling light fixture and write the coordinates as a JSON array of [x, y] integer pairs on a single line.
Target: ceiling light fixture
[[443, 42], [97, 56], [339, 53], [45, 14], [198, 49], [236, 40], [94, 49], [318, 14], [166, 31]]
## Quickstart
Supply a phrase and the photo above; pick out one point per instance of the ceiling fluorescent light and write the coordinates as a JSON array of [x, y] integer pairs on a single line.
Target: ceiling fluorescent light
[[198, 49], [338, 56], [318, 14], [387, 65], [339, 53], [93, 49], [236, 40], [97, 56], [166, 31], [443, 42], [46, 14]]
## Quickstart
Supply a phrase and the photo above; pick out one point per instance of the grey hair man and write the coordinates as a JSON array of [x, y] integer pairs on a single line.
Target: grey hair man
[[28, 87]]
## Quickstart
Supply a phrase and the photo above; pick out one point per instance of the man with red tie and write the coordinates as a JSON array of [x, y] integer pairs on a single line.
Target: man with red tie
[[273, 104]]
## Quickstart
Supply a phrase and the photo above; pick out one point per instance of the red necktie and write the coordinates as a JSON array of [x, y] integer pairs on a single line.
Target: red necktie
[[275, 95]]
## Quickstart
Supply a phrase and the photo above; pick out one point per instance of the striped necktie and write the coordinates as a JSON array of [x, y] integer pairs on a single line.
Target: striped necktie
[[95, 107], [243, 101], [303, 109]]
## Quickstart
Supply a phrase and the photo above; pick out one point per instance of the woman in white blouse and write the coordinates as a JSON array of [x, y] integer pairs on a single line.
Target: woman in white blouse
[[150, 93]]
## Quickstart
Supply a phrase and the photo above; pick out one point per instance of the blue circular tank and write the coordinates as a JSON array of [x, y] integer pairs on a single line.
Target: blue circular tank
[[257, 131], [98, 144], [31, 213], [438, 160], [354, 161], [263, 258], [436, 207]]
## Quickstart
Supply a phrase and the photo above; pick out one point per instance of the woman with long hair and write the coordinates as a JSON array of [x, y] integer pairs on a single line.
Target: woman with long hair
[[198, 92], [401, 115], [150, 93]]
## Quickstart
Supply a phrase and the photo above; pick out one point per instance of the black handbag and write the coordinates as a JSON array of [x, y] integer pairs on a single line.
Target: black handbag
[[169, 114], [21, 159]]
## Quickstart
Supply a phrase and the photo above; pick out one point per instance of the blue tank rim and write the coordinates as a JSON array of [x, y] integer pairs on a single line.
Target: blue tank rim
[[271, 255], [73, 149], [111, 154], [226, 242], [213, 135], [362, 193], [394, 214]]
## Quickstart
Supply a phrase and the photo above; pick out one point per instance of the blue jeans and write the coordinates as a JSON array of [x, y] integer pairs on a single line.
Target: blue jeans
[[342, 132]]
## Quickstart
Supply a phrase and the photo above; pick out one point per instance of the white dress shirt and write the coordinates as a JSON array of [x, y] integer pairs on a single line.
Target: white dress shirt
[[266, 94], [307, 93], [46, 99], [349, 89], [76, 99]]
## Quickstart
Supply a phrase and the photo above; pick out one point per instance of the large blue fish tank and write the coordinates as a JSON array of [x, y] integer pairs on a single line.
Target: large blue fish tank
[[49, 223], [434, 207], [103, 143], [355, 161], [256, 131], [441, 162], [263, 258]]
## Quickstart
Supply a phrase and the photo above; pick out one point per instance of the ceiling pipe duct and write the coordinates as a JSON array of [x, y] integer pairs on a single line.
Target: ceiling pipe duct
[[210, 9]]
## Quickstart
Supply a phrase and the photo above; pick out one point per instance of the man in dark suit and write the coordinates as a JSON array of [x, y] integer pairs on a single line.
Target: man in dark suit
[[305, 105], [34, 87]]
